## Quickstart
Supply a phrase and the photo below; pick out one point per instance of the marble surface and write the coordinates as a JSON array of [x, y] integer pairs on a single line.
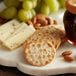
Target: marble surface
[[6, 58]]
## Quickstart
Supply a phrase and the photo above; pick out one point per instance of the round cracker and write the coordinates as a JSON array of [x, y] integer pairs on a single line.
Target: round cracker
[[39, 53]]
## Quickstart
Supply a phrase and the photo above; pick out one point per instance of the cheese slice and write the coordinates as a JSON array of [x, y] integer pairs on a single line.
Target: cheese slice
[[5, 26], [18, 39], [7, 29], [23, 26]]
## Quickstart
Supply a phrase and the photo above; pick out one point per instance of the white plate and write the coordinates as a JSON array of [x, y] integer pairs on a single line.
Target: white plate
[[58, 66]]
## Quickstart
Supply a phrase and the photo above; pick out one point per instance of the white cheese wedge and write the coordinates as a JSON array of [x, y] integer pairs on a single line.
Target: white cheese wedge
[[7, 25], [18, 39], [8, 28], [23, 26]]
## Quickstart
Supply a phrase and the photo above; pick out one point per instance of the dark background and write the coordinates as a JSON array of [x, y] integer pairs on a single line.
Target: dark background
[[9, 71]]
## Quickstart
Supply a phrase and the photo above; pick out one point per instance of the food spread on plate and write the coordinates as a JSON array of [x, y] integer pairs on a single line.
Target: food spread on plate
[[67, 56], [25, 10], [14, 33], [39, 35], [41, 20], [40, 48]]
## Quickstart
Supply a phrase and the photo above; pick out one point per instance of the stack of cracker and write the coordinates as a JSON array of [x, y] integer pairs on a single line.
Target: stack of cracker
[[40, 48]]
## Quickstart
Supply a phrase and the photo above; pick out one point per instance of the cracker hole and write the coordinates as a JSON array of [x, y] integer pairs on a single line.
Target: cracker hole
[[39, 45], [53, 42], [56, 46], [47, 62]]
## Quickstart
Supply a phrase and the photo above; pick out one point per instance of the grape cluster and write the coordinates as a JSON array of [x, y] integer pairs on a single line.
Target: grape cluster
[[24, 10]]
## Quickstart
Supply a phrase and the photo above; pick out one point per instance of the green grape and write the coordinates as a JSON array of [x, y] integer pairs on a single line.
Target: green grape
[[62, 3], [23, 15], [53, 4], [33, 0], [21, 0], [9, 13], [33, 12], [11, 3], [27, 5], [34, 3], [30, 14], [45, 9]]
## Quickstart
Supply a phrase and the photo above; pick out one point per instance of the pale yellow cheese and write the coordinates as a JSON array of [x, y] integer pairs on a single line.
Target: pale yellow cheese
[[18, 39], [9, 24], [8, 28], [23, 26]]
